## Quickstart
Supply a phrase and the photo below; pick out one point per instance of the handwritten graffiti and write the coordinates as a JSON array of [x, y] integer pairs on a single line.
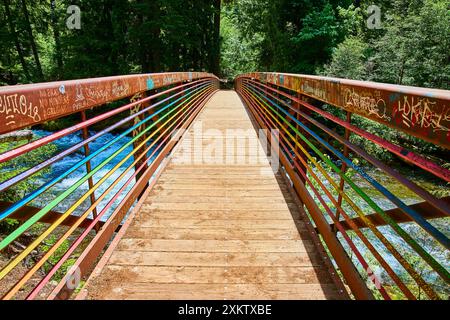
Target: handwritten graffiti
[[134, 110], [120, 89], [366, 103], [17, 105], [315, 90], [52, 99], [96, 94], [80, 101], [420, 112], [171, 78], [89, 95]]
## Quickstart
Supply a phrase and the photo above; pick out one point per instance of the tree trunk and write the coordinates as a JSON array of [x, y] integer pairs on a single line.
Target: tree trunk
[[16, 41], [33, 43], [155, 52], [215, 57], [58, 53], [110, 35], [402, 71]]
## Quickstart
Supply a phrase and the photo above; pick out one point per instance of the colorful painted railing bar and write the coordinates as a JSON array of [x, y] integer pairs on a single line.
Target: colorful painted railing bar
[[91, 253], [151, 129], [302, 147], [399, 203], [50, 183], [358, 287]]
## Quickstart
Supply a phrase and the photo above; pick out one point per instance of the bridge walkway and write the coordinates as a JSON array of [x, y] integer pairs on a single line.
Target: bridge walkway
[[212, 228]]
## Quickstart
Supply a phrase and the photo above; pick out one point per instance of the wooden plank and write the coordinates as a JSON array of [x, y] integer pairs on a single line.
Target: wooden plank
[[214, 193], [233, 215], [230, 246], [219, 275], [216, 234], [146, 291], [228, 168], [214, 206], [209, 223], [217, 173], [217, 186], [201, 198], [215, 259], [230, 180]]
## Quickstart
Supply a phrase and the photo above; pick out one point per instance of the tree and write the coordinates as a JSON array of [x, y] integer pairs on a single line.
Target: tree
[[56, 35], [32, 40], [349, 60], [13, 32], [215, 55]]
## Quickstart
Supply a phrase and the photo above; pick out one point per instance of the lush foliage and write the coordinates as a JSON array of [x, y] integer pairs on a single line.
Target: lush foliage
[[16, 166], [411, 48], [116, 37], [331, 37]]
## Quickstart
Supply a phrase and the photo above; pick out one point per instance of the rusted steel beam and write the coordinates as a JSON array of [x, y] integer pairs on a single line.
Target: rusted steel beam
[[137, 120], [25, 105], [87, 152], [424, 208], [423, 113], [27, 212]]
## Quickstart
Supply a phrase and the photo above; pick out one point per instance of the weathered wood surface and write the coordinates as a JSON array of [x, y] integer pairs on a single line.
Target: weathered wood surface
[[216, 230]]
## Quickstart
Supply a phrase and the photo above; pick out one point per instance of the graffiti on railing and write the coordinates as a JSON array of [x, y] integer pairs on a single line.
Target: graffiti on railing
[[366, 103], [17, 105], [31, 104], [420, 112], [120, 89]]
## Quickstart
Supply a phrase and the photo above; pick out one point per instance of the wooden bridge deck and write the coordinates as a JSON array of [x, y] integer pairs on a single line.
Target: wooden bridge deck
[[216, 229]]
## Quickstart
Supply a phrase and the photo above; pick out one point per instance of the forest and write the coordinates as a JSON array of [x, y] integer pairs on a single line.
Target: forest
[[329, 37], [403, 42]]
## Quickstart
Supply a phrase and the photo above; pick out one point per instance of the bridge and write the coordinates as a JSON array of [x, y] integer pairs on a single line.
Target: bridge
[[261, 192]]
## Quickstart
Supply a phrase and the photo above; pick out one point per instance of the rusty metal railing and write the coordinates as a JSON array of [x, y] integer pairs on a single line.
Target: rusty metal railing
[[145, 131], [383, 245]]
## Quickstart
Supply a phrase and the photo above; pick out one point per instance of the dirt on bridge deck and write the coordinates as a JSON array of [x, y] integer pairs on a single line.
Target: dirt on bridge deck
[[220, 226]]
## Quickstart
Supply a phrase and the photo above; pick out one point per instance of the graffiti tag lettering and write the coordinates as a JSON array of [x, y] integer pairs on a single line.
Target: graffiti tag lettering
[[366, 104], [314, 90], [18, 105], [418, 112], [120, 89]]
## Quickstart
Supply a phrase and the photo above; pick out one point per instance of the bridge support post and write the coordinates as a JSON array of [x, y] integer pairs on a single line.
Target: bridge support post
[[298, 106], [344, 168], [138, 119], [89, 167]]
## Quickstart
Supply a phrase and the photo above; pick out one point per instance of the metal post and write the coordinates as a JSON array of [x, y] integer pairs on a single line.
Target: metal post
[[344, 168], [136, 143], [89, 167]]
